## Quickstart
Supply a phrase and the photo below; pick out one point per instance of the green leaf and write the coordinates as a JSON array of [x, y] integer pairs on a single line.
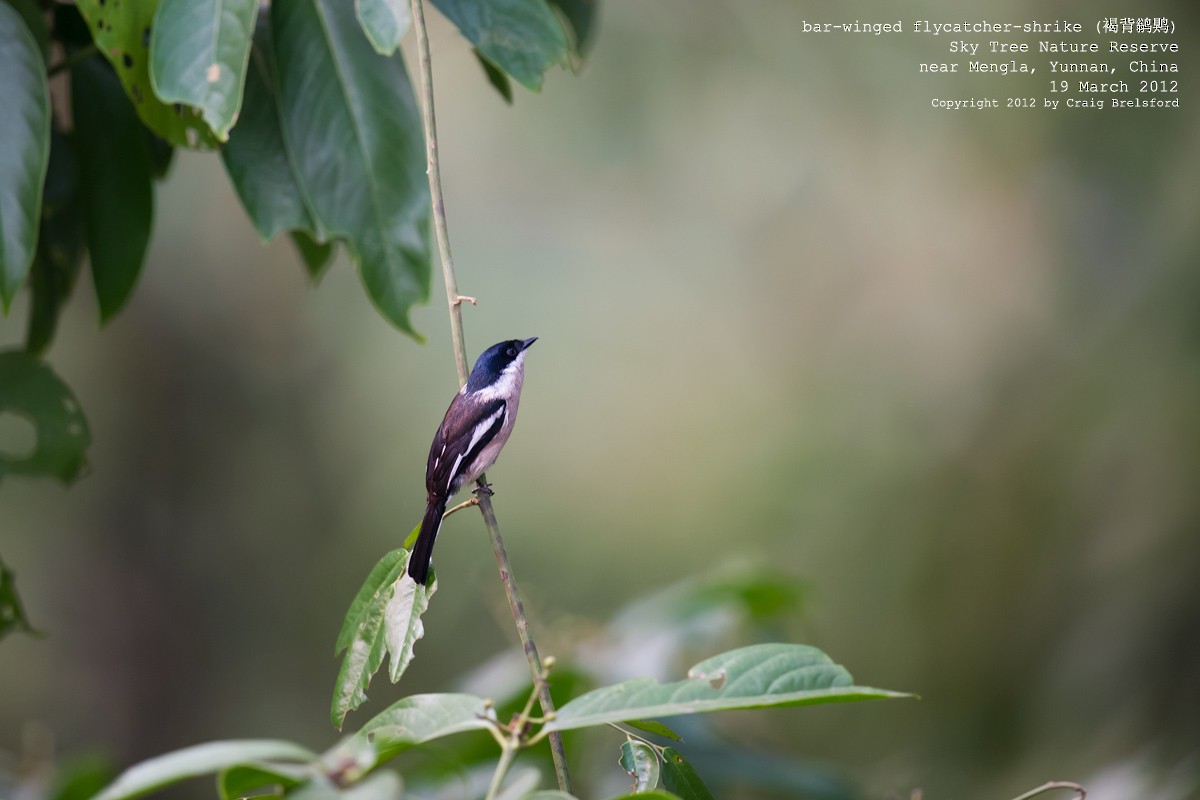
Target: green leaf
[[31, 12], [652, 726], [679, 776], [411, 539], [60, 246], [385, 22], [315, 255], [122, 30], [496, 77], [657, 794], [30, 389], [198, 54], [161, 152], [200, 759], [25, 154], [384, 616], [258, 157], [641, 762], [82, 778], [759, 676], [580, 16], [522, 37], [354, 135], [406, 723], [114, 168], [551, 794], [402, 624], [243, 780], [12, 613]]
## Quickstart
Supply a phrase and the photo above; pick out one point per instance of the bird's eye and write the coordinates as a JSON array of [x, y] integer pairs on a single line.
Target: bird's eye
[[512, 352]]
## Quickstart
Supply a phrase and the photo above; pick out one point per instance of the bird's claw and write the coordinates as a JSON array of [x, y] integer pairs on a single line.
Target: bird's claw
[[481, 489]]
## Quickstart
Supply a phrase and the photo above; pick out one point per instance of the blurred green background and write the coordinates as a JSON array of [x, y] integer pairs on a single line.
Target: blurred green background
[[941, 369]]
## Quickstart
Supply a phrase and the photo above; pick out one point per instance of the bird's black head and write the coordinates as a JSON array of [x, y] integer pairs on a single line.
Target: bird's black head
[[492, 362]]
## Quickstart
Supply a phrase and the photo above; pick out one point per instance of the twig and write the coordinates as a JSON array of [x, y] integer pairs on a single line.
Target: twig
[[474, 501], [454, 301], [1045, 787], [70, 61]]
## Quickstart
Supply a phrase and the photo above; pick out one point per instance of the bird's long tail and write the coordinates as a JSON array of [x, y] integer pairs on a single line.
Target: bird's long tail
[[422, 552]]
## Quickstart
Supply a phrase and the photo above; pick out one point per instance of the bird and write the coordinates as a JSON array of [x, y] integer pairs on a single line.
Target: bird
[[476, 426]]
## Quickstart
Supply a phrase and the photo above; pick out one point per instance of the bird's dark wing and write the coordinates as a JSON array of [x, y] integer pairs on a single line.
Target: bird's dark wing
[[449, 458]]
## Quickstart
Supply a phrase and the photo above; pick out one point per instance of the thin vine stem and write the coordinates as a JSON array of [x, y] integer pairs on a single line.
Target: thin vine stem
[[455, 301]]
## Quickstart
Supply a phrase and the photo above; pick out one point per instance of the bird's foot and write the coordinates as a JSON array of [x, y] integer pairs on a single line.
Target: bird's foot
[[482, 489]]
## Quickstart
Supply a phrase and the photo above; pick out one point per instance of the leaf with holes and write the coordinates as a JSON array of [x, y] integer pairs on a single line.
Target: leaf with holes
[[198, 55], [122, 32], [759, 676], [29, 389], [25, 154]]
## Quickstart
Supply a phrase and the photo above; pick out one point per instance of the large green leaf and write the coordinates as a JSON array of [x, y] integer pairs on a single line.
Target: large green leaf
[[641, 763], [354, 136], [522, 37], [114, 168], [30, 389], [122, 30], [258, 157], [198, 54], [198, 760], [12, 613], [409, 722], [680, 777], [384, 22], [25, 152], [384, 616], [758, 676]]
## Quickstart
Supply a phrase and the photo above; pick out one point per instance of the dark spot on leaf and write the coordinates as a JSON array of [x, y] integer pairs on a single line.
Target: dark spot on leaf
[[146, 36], [102, 2], [127, 60], [178, 109]]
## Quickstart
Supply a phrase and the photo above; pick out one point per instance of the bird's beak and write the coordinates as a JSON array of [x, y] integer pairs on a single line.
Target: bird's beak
[[525, 344]]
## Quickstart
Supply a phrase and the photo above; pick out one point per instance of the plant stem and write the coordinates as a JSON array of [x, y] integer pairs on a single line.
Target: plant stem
[[455, 300], [506, 758], [70, 61], [1080, 792]]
